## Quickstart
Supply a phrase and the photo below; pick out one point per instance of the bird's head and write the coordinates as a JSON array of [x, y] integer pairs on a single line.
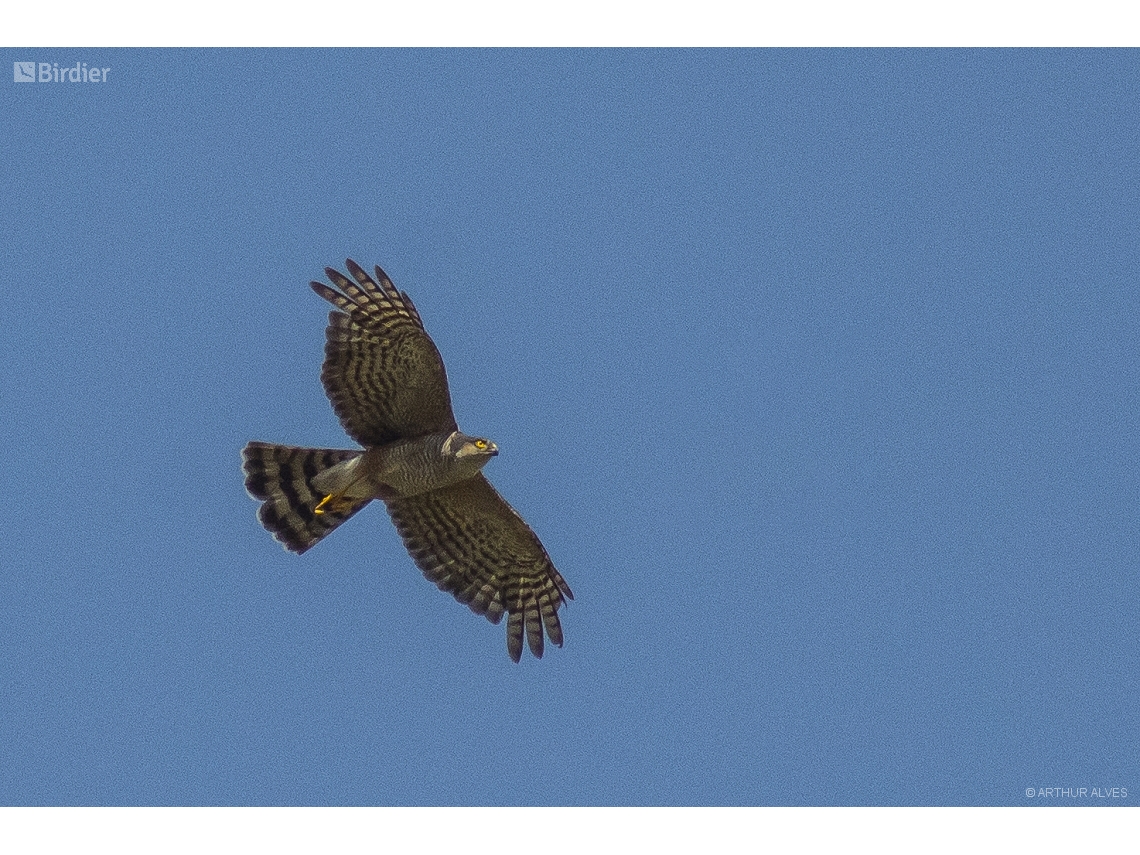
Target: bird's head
[[470, 448]]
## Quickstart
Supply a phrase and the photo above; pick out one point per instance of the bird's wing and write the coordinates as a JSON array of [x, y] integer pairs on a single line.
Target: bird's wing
[[471, 543], [382, 371]]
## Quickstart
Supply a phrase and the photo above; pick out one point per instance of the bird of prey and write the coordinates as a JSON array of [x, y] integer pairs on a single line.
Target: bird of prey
[[388, 386]]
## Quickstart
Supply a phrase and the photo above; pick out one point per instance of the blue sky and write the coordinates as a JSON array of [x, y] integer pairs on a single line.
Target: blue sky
[[815, 371]]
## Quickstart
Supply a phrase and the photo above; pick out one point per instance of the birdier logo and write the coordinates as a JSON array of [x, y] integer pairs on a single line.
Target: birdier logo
[[50, 72]]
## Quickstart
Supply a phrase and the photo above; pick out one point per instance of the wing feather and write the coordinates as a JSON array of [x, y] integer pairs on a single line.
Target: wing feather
[[382, 372], [469, 542]]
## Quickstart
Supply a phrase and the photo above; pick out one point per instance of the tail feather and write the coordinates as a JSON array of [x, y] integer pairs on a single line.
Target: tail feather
[[281, 477]]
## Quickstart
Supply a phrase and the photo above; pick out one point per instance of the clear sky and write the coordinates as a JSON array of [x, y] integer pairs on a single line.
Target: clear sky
[[816, 373]]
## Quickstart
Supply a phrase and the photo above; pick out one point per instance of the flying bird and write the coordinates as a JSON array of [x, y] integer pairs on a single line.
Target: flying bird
[[388, 386]]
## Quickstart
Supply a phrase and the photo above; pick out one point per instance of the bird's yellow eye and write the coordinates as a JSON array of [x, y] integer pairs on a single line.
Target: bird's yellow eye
[[480, 444]]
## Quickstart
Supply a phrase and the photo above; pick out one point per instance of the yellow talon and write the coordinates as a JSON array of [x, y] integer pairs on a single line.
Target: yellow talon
[[332, 503]]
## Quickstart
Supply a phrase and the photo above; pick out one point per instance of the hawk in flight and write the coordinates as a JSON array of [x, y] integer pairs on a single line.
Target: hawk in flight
[[387, 384]]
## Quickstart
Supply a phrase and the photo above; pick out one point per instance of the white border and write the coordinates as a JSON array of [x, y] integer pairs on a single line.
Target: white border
[[612, 23], [572, 831]]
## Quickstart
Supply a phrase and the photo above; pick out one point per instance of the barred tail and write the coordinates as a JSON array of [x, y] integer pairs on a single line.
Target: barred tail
[[281, 476]]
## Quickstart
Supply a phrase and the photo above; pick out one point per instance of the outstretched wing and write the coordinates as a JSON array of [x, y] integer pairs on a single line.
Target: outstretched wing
[[471, 543], [382, 371]]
